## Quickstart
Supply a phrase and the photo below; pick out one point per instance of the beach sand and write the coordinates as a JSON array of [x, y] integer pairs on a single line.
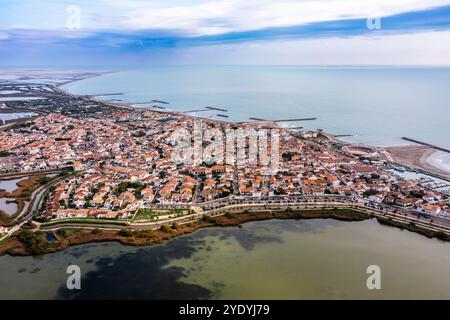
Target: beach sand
[[422, 157], [440, 159]]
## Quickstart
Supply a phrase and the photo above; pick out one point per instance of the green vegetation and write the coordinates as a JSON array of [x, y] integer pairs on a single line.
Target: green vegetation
[[442, 235], [4, 154], [44, 180], [230, 215], [34, 241], [145, 214], [166, 120], [209, 219], [125, 233], [136, 233], [3, 241], [279, 191], [162, 174], [369, 193], [124, 186], [153, 214], [165, 228], [21, 125], [62, 233]]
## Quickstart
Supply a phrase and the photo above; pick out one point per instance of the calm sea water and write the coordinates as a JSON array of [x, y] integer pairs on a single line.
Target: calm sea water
[[305, 259], [377, 105]]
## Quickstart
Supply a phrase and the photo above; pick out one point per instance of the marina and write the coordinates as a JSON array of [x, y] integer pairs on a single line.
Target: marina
[[424, 179]]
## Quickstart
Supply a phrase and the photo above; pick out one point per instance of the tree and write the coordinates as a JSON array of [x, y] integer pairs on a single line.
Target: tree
[[165, 228], [34, 241], [162, 174], [369, 193], [209, 219]]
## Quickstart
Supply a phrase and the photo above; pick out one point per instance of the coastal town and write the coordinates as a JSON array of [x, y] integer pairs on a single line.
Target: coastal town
[[113, 164]]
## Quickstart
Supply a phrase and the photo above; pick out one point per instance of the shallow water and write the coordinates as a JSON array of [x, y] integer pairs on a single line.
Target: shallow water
[[10, 185], [10, 208]]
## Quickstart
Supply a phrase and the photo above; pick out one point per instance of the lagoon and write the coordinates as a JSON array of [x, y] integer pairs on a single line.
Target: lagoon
[[277, 259]]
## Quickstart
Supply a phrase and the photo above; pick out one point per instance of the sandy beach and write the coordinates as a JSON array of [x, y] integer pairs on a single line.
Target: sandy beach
[[422, 157]]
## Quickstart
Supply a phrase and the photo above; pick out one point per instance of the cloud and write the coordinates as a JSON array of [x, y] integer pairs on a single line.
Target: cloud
[[237, 32], [4, 36], [224, 16], [207, 17], [424, 48]]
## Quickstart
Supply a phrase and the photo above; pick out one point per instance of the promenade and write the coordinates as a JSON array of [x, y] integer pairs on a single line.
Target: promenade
[[238, 205]]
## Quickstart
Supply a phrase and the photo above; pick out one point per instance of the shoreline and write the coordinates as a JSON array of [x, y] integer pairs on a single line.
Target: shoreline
[[149, 236], [436, 159], [146, 237], [420, 157]]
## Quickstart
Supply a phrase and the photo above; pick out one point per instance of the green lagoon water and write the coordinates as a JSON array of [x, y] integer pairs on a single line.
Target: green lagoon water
[[305, 259]]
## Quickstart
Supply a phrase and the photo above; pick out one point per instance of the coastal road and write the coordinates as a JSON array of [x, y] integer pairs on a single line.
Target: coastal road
[[242, 204]]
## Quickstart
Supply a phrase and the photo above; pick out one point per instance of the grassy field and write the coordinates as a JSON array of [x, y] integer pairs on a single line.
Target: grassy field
[[153, 214]]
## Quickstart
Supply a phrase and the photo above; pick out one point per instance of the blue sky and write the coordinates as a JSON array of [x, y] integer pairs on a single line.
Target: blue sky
[[306, 32]]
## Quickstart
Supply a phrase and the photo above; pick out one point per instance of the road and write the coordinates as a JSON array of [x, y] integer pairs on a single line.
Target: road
[[36, 198], [295, 202]]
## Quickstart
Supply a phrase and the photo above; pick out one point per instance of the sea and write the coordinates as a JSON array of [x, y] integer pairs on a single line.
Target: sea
[[375, 105]]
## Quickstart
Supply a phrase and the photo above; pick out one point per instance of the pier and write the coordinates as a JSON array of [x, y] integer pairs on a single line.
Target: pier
[[217, 109], [283, 120], [195, 110], [108, 94], [342, 135], [292, 120], [148, 102], [160, 101], [426, 144]]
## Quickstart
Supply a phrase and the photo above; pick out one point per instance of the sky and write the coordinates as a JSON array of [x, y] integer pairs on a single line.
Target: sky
[[101, 33]]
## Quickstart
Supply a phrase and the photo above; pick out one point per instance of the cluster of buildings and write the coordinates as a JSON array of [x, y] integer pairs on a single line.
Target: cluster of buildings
[[123, 159]]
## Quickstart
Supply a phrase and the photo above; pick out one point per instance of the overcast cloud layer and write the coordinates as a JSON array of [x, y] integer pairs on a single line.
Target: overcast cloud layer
[[225, 31]]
